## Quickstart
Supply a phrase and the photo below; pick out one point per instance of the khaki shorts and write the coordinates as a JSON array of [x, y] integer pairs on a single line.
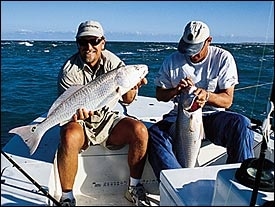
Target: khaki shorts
[[97, 128]]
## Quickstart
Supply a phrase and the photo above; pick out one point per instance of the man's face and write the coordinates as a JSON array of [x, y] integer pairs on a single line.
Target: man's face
[[90, 49], [203, 52]]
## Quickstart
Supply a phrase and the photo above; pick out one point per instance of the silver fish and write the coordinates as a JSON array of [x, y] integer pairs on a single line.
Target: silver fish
[[187, 130], [105, 90]]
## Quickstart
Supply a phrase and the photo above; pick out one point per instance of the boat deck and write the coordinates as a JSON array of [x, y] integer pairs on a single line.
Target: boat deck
[[103, 174]]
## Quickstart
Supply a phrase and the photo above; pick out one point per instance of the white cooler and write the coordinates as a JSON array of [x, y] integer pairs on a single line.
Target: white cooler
[[206, 186]]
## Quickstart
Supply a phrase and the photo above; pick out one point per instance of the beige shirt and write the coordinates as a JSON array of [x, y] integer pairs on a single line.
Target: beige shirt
[[76, 72]]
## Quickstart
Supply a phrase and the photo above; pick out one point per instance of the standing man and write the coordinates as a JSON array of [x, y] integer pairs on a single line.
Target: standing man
[[104, 126], [213, 71]]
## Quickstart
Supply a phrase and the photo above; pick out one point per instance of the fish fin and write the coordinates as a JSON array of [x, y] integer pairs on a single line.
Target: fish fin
[[202, 133], [64, 122], [112, 103], [64, 96], [113, 99], [192, 123], [30, 135], [118, 91]]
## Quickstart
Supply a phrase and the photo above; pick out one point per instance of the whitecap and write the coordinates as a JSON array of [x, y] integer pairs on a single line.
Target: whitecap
[[28, 44]]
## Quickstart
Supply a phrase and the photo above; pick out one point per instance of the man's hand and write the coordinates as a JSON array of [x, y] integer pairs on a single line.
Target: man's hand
[[202, 96], [82, 114], [184, 84], [142, 82]]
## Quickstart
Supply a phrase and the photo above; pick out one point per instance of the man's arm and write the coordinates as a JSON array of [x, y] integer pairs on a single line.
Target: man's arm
[[223, 99], [166, 95]]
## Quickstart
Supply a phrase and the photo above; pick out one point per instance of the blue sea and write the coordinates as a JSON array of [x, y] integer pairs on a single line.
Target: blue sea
[[29, 75]]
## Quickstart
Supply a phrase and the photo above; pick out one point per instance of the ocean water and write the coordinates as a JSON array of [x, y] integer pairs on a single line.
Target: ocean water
[[29, 75]]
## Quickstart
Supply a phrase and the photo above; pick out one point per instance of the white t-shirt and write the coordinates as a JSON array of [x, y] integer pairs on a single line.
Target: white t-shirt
[[217, 71]]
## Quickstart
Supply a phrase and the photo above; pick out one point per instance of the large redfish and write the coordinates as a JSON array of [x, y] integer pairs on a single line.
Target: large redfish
[[187, 130], [105, 90]]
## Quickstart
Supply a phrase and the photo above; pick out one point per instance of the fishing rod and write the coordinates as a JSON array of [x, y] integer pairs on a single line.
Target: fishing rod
[[261, 160], [272, 99], [31, 179]]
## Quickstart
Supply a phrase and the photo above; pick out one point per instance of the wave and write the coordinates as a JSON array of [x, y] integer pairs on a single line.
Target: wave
[[28, 44]]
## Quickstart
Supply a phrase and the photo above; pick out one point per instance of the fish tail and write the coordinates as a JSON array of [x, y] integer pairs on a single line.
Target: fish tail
[[30, 134]]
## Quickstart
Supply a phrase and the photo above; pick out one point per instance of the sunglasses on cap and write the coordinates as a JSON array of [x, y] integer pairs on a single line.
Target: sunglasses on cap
[[93, 42]]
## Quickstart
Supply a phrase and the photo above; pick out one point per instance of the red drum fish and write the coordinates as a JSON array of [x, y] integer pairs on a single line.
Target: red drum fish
[[188, 130], [105, 90]]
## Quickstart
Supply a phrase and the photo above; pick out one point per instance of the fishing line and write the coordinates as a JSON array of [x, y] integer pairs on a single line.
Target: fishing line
[[46, 193], [262, 59], [262, 154], [227, 201], [254, 86]]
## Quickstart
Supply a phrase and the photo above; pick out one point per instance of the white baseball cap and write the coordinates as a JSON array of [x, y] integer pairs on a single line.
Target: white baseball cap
[[90, 28], [192, 41]]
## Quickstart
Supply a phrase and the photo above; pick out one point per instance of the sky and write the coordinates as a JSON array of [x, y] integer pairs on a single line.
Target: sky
[[157, 21]]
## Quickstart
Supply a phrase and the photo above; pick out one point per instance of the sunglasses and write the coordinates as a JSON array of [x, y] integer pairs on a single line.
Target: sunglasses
[[93, 42]]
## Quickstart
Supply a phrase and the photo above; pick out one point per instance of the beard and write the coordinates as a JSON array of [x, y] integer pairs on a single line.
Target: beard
[[91, 58]]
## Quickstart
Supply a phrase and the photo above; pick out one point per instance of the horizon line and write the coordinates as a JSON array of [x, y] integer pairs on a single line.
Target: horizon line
[[144, 41]]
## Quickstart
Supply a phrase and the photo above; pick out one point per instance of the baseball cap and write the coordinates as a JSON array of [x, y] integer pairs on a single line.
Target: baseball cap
[[192, 41], [90, 28]]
